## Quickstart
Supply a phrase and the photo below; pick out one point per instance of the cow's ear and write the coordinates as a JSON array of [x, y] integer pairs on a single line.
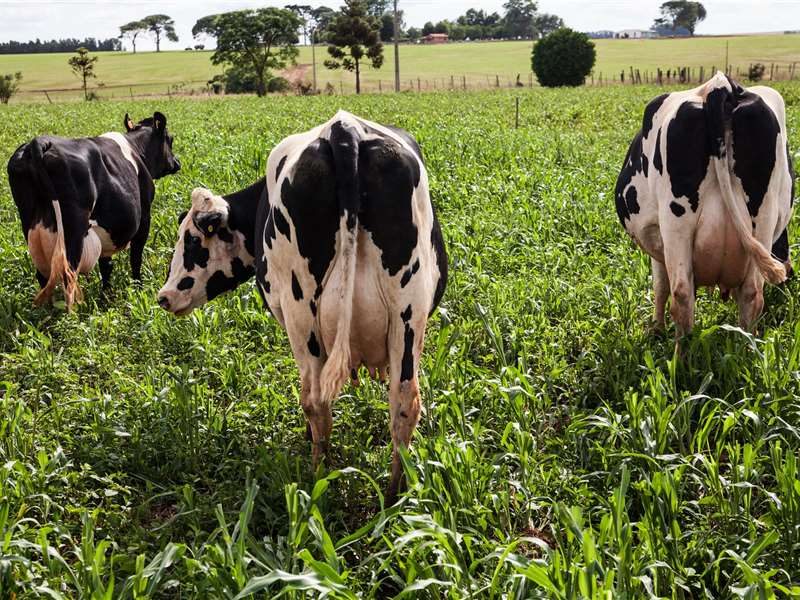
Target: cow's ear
[[129, 126], [160, 122], [209, 222], [182, 216]]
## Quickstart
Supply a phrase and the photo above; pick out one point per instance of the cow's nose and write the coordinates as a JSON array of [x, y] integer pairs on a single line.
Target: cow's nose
[[163, 302]]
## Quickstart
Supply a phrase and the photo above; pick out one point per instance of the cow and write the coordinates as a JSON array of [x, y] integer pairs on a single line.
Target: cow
[[83, 200], [706, 190], [348, 256]]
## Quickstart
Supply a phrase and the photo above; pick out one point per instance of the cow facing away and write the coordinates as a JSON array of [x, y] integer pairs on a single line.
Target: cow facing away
[[348, 256], [706, 191], [81, 201]]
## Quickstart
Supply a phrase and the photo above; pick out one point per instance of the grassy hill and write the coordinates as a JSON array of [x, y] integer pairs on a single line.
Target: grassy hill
[[481, 63]]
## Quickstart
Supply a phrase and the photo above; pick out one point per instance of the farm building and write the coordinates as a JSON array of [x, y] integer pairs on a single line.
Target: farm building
[[634, 34], [435, 38]]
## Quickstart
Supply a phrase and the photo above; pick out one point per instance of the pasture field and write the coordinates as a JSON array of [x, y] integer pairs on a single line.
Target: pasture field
[[479, 62], [564, 452]]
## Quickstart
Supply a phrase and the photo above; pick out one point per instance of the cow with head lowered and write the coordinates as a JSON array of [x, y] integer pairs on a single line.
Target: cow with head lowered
[[706, 190], [83, 200], [348, 256]]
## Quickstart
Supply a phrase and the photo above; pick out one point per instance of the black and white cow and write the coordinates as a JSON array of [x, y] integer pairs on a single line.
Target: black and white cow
[[348, 256], [706, 190], [82, 200]]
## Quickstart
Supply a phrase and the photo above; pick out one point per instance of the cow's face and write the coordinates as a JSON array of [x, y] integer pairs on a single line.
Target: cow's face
[[210, 258], [157, 144]]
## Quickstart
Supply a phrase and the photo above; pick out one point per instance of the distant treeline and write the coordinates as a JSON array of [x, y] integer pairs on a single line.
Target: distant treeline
[[65, 45]]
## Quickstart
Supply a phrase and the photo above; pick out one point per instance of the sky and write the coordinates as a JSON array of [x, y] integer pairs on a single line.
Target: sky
[[30, 19]]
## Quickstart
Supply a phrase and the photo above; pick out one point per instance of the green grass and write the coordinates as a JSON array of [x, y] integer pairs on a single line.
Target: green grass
[[480, 63], [563, 451]]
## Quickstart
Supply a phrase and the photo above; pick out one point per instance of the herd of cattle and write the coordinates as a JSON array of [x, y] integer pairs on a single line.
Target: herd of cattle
[[346, 249]]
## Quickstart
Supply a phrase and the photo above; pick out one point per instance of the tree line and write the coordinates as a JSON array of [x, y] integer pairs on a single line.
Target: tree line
[[64, 45]]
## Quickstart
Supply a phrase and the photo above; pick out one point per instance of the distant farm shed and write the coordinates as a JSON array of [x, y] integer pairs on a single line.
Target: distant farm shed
[[435, 38]]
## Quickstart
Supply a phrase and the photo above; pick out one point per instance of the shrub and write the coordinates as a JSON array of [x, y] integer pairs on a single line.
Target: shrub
[[756, 72], [9, 84], [278, 85], [240, 81], [563, 58]]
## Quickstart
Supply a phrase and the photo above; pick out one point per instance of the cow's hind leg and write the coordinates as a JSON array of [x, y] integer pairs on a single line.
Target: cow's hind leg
[[660, 294], [319, 416], [750, 299], [407, 334], [678, 262], [106, 267]]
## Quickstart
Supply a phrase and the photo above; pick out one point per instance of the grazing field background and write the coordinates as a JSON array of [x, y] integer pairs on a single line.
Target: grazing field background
[[478, 64], [563, 453]]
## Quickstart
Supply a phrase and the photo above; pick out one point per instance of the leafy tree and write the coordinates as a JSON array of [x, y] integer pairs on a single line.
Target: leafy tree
[[428, 28], [303, 11], [131, 31], [414, 34], [563, 58], [253, 40], [387, 25], [519, 18], [321, 18], [680, 13], [377, 8], [9, 84], [83, 66], [353, 36], [63, 45], [442, 27], [161, 25], [544, 24]]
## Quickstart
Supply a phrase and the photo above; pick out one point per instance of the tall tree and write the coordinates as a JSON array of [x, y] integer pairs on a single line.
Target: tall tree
[[161, 25], [353, 36], [83, 66], [387, 25], [519, 18], [376, 8], [131, 31], [680, 13], [304, 12], [544, 24], [256, 40], [321, 18]]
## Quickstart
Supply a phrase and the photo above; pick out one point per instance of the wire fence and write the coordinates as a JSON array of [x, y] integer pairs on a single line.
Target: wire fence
[[775, 71]]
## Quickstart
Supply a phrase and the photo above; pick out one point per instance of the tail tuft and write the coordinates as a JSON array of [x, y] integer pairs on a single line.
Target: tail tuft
[[60, 269], [344, 140]]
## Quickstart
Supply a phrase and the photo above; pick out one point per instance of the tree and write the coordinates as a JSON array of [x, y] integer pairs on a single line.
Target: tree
[[83, 66], [253, 40], [353, 36], [303, 11], [544, 24], [387, 25], [519, 18], [680, 13], [161, 25], [414, 34], [376, 8], [9, 84], [428, 28], [131, 31], [565, 57], [442, 27]]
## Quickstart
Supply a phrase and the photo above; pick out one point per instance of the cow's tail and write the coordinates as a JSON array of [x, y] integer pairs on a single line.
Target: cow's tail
[[344, 140], [720, 102], [60, 269]]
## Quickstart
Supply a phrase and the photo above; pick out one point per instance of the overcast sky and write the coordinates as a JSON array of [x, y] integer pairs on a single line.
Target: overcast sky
[[29, 19]]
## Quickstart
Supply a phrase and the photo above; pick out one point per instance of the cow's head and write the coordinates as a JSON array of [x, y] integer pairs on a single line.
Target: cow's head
[[210, 257], [154, 143]]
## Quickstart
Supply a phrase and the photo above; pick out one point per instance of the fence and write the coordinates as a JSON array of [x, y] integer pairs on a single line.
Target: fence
[[453, 82]]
